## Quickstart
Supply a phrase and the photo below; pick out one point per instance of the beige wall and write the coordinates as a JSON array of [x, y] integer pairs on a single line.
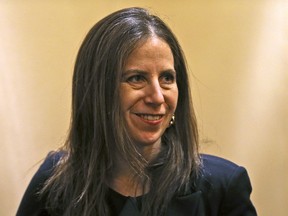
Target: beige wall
[[236, 50]]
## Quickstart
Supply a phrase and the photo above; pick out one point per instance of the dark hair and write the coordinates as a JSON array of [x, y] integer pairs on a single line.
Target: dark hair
[[79, 183]]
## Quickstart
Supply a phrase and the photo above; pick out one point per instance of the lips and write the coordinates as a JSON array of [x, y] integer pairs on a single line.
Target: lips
[[149, 117]]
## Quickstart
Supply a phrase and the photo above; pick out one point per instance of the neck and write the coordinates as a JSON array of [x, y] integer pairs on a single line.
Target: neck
[[149, 151], [125, 181]]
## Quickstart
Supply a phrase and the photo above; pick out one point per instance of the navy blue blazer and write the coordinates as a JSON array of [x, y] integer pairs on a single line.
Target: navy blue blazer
[[222, 188]]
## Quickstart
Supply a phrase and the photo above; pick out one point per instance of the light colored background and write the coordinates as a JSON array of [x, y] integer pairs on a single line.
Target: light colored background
[[237, 54]]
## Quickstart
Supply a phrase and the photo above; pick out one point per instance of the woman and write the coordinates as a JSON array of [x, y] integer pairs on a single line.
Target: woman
[[133, 143]]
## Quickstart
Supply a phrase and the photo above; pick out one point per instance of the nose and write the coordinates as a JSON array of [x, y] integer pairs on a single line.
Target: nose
[[154, 94]]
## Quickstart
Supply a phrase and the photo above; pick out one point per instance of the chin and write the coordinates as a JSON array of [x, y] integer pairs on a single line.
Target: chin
[[149, 141]]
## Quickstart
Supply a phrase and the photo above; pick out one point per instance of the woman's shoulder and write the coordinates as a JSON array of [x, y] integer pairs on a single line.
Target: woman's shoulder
[[52, 160], [225, 186], [31, 203], [219, 171], [48, 166], [217, 165]]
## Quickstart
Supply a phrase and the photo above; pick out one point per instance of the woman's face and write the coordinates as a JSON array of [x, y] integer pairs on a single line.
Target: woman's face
[[148, 92]]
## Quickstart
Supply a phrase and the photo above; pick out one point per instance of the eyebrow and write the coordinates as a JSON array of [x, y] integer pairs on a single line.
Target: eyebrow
[[145, 72]]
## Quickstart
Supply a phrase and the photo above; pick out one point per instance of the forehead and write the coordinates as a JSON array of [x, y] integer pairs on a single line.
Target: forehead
[[153, 49]]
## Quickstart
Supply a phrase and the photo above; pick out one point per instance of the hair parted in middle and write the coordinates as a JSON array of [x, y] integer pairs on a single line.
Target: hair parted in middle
[[97, 126]]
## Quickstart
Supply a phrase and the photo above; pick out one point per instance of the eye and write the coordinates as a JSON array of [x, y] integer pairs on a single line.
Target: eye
[[135, 79], [167, 78]]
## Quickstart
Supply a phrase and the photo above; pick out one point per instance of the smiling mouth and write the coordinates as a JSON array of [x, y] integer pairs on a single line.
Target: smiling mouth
[[150, 117]]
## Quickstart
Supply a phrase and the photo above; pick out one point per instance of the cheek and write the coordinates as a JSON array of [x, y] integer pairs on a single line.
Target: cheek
[[173, 100], [124, 103], [128, 98], [124, 98]]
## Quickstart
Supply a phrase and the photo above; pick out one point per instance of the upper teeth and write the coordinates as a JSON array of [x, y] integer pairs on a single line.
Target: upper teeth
[[151, 117]]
